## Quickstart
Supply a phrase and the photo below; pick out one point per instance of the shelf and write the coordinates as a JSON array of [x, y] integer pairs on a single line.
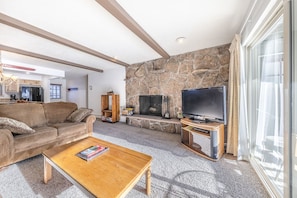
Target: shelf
[[206, 126], [194, 130], [209, 145], [106, 119], [110, 107]]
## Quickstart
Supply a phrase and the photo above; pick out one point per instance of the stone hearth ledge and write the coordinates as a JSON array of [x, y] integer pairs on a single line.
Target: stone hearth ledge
[[155, 123]]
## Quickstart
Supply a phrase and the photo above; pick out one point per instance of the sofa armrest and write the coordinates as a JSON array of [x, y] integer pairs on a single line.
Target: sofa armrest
[[6, 146], [89, 120]]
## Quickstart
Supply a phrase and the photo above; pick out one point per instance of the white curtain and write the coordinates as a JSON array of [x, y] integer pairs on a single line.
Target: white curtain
[[243, 131]]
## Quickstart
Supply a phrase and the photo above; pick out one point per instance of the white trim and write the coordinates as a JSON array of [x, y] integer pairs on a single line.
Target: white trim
[[269, 12], [266, 182], [289, 47], [248, 17]]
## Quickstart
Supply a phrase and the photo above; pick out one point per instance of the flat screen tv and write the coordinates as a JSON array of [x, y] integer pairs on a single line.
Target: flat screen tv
[[205, 104]]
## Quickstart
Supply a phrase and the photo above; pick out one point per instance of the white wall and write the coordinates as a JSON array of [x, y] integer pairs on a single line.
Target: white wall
[[46, 89], [90, 88], [78, 96], [100, 83]]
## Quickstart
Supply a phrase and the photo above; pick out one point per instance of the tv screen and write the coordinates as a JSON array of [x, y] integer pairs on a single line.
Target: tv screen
[[205, 104]]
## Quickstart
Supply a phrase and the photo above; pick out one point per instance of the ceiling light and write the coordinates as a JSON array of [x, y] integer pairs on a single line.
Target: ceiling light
[[180, 40]]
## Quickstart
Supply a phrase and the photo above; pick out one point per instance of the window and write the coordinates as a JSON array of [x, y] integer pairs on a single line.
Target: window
[[55, 91]]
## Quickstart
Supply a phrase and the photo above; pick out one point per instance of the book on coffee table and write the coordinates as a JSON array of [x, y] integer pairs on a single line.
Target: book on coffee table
[[91, 152]]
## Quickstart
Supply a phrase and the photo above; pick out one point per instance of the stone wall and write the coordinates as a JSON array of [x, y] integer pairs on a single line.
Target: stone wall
[[203, 68], [163, 125]]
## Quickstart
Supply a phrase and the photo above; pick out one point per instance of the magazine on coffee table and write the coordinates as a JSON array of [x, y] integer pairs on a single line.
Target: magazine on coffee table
[[92, 152]]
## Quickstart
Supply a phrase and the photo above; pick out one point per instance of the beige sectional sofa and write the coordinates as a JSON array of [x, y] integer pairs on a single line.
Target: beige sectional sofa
[[27, 129]]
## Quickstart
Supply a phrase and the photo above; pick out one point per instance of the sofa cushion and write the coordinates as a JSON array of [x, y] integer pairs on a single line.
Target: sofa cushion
[[31, 114], [70, 128], [57, 112], [43, 135], [79, 114], [15, 126]]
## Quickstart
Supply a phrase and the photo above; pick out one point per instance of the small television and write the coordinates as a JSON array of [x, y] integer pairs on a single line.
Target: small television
[[205, 104]]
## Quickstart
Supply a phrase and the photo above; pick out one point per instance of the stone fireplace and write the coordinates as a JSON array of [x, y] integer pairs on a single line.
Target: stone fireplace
[[168, 77], [150, 105]]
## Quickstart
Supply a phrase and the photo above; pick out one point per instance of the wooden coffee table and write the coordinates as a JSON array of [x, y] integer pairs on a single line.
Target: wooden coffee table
[[112, 174]]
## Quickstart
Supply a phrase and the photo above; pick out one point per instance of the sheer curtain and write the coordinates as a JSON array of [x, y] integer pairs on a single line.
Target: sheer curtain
[[243, 131]]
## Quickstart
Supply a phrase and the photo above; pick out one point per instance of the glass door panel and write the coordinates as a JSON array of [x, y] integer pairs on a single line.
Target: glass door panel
[[266, 110], [294, 101]]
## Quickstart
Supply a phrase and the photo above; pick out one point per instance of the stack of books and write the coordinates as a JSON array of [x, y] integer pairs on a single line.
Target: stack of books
[[127, 111], [92, 152]]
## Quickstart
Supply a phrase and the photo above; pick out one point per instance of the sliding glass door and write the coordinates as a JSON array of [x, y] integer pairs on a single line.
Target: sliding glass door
[[266, 105], [293, 101]]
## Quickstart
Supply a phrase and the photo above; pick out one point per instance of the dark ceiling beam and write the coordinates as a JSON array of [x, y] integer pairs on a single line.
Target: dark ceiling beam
[[43, 57], [7, 20], [118, 12]]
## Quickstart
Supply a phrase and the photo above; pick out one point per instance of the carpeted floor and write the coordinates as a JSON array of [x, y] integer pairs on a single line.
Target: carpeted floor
[[176, 171]]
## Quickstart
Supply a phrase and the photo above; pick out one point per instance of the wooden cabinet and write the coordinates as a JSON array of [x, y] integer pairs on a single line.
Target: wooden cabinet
[[110, 107], [205, 139]]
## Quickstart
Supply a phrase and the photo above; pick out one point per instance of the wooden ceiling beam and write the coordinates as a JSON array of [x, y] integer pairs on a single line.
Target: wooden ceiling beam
[[118, 12], [7, 20], [18, 67], [43, 57]]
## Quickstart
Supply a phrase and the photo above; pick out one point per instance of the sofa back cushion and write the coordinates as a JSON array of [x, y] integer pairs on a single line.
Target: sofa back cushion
[[31, 114], [57, 112]]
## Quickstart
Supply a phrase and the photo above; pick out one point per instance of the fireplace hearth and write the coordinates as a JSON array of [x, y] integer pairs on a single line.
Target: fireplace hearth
[[150, 105]]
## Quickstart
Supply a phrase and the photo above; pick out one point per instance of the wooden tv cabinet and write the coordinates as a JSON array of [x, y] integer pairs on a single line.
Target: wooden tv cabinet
[[205, 139]]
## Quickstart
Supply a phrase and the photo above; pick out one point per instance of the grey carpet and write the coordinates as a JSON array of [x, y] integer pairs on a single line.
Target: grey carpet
[[176, 171]]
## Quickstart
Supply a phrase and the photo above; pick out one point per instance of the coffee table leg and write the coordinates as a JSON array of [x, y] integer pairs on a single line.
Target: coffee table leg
[[148, 181], [47, 171]]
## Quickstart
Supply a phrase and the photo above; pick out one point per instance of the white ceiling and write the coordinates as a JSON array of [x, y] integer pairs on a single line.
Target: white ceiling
[[204, 23]]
